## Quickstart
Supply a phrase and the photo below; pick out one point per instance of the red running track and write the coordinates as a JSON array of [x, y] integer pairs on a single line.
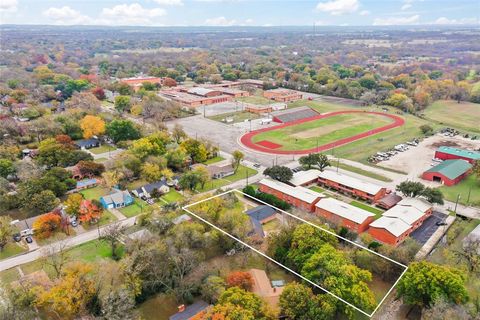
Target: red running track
[[246, 139]]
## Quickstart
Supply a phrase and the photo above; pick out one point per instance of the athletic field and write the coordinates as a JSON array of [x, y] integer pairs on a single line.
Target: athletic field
[[321, 132]]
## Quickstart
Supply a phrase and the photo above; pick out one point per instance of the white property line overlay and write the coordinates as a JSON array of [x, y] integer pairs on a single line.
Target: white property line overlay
[[185, 208]]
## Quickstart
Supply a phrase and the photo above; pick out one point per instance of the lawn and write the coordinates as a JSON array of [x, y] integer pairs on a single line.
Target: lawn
[[106, 218], [159, 307], [95, 193], [214, 160], [11, 249], [469, 186], [317, 189], [256, 99], [134, 209], [102, 149], [239, 116], [172, 196], [314, 133], [464, 115], [272, 225], [366, 207], [241, 173], [365, 173]]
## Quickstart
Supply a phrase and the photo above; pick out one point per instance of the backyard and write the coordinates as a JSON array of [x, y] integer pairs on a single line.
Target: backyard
[[102, 149]]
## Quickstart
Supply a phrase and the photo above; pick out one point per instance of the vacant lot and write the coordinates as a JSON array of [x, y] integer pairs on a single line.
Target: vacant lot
[[464, 115], [468, 189], [322, 131]]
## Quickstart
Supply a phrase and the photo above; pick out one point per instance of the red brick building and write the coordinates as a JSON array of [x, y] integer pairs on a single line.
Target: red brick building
[[299, 197], [398, 223], [448, 172], [351, 186], [282, 95], [344, 214]]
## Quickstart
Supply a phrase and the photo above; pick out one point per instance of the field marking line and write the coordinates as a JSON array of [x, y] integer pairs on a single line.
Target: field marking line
[[185, 208]]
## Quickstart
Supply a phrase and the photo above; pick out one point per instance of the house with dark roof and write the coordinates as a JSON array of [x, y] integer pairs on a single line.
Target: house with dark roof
[[87, 143], [188, 312], [118, 199], [146, 190], [448, 172], [259, 216], [389, 201]]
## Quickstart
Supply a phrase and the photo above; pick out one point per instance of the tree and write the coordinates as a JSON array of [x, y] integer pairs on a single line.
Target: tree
[[72, 204], [189, 180], [411, 188], [46, 225], [212, 288], [121, 130], [99, 93], [57, 256], [298, 302], [202, 174], [6, 168], [476, 169], [237, 157], [151, 172], [92, 126], [169, 82], [145, 147], [426, 282], [118, 304], [249, 302], [113, 234], [426, 129], [195, 149], [6, 231], [89, 212], [178, 134], [280, 173], [122, 103], [318, 160], [243, 280], [41, 202], [433, 195], [112, 178], [90, 168], [69, 297]]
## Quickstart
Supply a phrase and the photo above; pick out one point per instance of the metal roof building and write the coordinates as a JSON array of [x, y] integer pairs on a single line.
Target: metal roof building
[[448, 172]]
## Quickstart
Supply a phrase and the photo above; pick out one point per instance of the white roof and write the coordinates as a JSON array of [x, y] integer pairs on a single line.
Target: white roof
[[344, 210], [200, 91], [420, 204], [350, 181], [302, 177], [393, 225], [300, 193], [409, 211]]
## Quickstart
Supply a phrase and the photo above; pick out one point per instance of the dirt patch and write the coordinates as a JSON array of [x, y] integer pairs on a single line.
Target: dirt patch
[[445, 143]]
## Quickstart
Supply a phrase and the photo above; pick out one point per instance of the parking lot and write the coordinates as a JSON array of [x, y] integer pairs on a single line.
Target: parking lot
[[429, 226], [418, 159]]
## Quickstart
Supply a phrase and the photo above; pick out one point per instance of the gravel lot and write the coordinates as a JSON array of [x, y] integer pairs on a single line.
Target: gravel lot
[[418, 159]]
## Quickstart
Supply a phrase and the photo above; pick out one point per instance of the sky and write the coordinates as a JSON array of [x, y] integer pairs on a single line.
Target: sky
[[240, 12]]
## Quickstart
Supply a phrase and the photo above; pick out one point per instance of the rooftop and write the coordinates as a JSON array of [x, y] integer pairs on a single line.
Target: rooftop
[[393, 225], [300, 193], [344, 210], [261, 212], [451, 168], [200, 91], [190, 311], [116, 197], [302, 177], [351, 182], [475, 155]]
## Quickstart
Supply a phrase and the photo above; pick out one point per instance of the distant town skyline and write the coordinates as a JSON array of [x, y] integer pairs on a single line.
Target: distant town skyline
[[240, 12]]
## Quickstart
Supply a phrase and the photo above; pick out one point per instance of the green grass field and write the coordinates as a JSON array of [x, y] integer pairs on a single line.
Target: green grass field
[[134, 209], [214, 160], [256, 99], [172, 196], [238, 116], [11, 249], [239, 175], [95, 193], [464, 115], [362, 172], [319, 132], [470, 185], [102, 149], [368, 208]]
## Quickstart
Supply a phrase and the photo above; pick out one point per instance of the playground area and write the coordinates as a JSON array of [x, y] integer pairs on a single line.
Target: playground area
[[321, 132]]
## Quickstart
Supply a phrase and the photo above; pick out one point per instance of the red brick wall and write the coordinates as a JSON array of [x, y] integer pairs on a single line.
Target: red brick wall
[[384, 236], [445, 180], [351, 225], [310, 207], [373, 198], [447, 156]]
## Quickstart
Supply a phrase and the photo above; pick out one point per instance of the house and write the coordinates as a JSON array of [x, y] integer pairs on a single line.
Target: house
[[389, 201], [305, 178], [299, 197], [216, 171], [259, 216], [352, 186], [450, 153], [118, 199], [344, 214], [146, 190], [188, 312], [263, 287], [87, 143], [399, 222], [448, 172], [182, 218], [86, 183], [282, 95]]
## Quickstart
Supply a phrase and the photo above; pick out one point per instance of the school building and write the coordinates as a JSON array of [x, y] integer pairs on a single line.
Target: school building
[[282, 95], [299, 197], [398, 223], [352, 186], [344, 214]]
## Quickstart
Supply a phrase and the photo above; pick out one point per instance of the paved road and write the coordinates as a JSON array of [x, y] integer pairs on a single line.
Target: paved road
[[72, 242]]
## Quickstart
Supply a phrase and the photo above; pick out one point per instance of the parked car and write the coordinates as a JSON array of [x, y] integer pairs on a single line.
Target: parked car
[[256, 165], [441, 223], [17, 237], [29, 239], [74, 223]]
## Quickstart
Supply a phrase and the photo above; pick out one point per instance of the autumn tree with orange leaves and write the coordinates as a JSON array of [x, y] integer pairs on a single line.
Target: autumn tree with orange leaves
[[89, 212], [243, 280], [46, 225]]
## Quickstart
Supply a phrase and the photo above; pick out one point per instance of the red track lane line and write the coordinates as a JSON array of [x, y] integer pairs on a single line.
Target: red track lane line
[[246, 139]]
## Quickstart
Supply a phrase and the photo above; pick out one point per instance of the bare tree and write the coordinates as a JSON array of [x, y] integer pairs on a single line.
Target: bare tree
[[112, 234], [56, 255]]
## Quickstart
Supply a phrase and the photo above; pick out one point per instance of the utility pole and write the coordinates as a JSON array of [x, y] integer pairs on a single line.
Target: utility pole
[[246, 172], [468, 198], [456, 203]]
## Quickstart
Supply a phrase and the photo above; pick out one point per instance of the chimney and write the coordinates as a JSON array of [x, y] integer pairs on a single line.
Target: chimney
[[181, 308]]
